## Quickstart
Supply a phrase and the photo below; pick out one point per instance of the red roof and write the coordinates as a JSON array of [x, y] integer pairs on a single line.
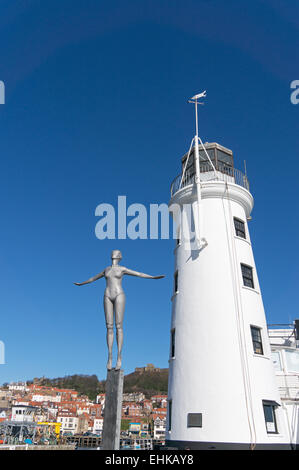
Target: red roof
[[161, 417]]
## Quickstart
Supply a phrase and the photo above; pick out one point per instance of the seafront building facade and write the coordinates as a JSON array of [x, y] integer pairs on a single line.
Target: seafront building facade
[[77, 414], [285, 356]]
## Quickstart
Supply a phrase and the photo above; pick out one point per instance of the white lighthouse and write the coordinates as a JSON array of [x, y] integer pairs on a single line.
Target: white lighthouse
[[222, 392]]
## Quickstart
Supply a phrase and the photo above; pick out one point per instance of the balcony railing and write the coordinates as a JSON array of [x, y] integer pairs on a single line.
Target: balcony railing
[[223, 173]]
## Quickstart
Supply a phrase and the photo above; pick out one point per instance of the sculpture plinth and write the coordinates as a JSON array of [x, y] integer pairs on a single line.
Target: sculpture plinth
[[113, 407]]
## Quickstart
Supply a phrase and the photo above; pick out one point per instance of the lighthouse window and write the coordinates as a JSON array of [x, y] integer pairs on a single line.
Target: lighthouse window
[[173, 342], [178, 238], [176, 282], [270, 418], [257, 340], [239, 228], [247, 276]]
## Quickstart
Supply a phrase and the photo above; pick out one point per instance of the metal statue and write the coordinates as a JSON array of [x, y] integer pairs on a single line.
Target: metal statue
[[114, 302]]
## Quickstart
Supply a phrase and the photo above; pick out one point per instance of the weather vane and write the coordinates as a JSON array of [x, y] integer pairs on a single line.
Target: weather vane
[[194, 100]]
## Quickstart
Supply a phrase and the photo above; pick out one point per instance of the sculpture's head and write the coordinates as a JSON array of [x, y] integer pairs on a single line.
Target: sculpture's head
[[116, 254]]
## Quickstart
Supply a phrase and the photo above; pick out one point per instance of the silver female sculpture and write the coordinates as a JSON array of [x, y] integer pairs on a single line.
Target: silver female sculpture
[[114, 301]]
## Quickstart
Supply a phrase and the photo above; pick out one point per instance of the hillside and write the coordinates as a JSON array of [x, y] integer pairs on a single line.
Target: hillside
[[84, 384], [149, 382]]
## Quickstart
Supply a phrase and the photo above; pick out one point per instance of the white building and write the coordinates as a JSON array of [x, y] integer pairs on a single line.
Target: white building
[[82, 408], [285, 355], [159, 427], [24, 413], [46, 398], [222, 391], [100, 398], [69, 423], [18, 386], [97, 426]]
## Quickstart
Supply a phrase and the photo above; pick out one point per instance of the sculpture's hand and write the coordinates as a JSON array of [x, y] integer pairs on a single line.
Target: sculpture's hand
[[78, 283], [158, 277]]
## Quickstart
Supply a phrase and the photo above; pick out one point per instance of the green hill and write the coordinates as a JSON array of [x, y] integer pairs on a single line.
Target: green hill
[[149, 382], [84, 384]]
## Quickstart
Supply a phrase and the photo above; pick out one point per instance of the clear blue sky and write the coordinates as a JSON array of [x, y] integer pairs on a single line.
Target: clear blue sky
[[95, 108]]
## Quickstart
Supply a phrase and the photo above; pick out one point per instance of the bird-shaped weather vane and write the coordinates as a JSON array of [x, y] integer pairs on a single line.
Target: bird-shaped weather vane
[[194, 100]]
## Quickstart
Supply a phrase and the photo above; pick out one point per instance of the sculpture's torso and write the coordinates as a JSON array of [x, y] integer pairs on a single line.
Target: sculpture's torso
[[113, 276]]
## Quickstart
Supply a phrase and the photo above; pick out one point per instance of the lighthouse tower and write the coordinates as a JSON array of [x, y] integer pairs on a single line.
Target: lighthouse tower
[[222, 392]]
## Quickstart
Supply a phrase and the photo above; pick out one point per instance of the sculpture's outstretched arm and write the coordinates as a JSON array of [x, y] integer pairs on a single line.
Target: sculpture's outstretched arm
[[130, 272], [92, 279]]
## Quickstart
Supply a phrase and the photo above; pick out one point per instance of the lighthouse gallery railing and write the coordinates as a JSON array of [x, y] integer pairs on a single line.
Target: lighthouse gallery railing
[[223, 173]]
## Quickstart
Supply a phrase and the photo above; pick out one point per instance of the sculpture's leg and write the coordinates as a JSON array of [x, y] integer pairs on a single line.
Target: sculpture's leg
[[108, 308], [119, 306]]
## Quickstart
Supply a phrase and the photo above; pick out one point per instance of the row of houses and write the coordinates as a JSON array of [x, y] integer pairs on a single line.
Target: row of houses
[[76, 414]]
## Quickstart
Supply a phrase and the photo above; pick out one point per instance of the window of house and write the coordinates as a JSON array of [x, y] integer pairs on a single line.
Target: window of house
[[176, 282], [270, 418], [239, 228], [292, 360], [173, 342], [257, 340], [247, 274]]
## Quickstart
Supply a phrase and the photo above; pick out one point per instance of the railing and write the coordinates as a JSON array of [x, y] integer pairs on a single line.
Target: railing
[[36, 447], [82, 442], [223, 173]]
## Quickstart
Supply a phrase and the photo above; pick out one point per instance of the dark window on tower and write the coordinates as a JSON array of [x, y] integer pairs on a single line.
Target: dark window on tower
[[257, 340], [176, 282], [169, 414], [172, 352], [247, 275], [194, 420], [270, 418], [239, 228]]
